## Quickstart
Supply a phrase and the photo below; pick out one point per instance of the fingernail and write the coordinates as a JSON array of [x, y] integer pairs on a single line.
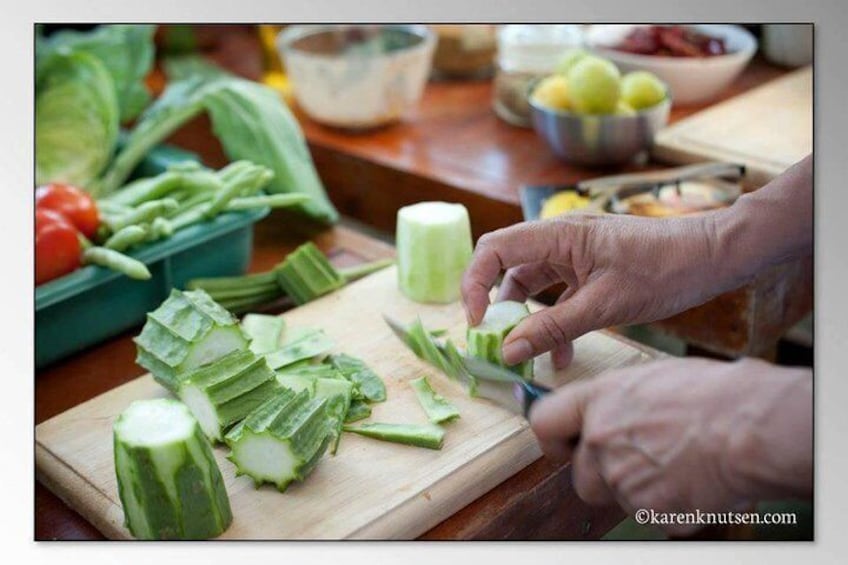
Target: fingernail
[[517, 351]]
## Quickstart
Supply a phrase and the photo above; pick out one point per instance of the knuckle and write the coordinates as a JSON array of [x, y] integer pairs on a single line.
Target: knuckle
[[550, 334]]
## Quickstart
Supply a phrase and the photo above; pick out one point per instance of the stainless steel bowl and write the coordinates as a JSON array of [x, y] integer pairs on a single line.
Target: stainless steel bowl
[[599, 139]]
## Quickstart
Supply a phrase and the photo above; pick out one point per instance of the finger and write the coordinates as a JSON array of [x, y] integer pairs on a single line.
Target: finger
[[524, 281], [557, 419], [589, 483], [562, 355], [529, 242], [586, 310]]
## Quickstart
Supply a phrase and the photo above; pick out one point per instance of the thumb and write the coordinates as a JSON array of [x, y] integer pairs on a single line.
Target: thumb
[[557, 419], [554, 327]]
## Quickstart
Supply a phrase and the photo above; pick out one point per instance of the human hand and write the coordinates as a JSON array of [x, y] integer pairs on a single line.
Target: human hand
[[618, 270], [683, 434]]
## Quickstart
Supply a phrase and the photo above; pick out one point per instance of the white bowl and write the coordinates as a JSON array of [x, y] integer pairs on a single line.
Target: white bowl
[[692, 80], [340, 81]]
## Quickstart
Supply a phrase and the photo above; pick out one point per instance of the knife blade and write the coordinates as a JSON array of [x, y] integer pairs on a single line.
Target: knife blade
[[491, 381]]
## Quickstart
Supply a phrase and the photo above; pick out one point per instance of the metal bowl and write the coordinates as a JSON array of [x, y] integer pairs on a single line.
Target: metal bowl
[[599, 139], [357, 76]]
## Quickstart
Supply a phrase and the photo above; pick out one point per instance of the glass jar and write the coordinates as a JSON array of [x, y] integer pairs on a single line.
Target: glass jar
[[527, 53]]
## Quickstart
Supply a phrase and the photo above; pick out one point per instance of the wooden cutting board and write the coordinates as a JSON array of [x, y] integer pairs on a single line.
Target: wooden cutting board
[[768, 129], [369, 489]]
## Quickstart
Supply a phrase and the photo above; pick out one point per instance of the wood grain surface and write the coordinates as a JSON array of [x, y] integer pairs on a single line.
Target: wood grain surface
[[768, 129], [370, 489]]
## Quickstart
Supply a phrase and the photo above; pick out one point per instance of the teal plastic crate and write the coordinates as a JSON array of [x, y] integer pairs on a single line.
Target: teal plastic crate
[[93, 304]]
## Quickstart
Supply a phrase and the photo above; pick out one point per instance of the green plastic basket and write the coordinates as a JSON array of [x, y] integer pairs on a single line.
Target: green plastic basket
[[93, 304]]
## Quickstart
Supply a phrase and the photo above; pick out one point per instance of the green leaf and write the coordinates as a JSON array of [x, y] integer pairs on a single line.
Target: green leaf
[[127, 52], [252, 123], [76, 118]]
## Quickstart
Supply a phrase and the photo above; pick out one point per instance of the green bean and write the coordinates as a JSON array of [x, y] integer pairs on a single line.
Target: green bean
[[116, 261], [144, 213], [212, 284], [105, 207], [126, 237], [160, 228], [248, 180], [272, 200], [146, 189], [190, 216]]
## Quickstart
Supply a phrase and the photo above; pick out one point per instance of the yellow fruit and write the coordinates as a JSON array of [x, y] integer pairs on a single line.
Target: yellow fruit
[[624, 109], [561, 203], [552, 92], [570, 58]]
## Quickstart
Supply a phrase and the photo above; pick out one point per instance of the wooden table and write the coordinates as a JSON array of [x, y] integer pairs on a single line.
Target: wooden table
[[453, 147]]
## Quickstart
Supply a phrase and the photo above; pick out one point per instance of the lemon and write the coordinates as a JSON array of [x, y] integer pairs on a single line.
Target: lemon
[[561, 203], [552, 92]]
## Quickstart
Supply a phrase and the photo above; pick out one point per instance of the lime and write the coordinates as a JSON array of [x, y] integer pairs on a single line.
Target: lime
[[594, 85], [641, 89]]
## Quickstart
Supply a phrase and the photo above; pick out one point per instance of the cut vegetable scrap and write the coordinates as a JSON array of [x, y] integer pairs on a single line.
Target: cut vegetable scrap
[[485, 340], [282, 440], [366, 381], [168, 481], [264, 332], [305, 274], [437, 408], [430, 436], [186, 331], [311, 344], [222, 393], [358, 410]]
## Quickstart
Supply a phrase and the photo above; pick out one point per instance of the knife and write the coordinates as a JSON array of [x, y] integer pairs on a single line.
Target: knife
[[493, 382]]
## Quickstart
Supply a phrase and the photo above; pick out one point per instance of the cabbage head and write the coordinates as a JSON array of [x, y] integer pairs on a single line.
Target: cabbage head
[[76, 118]]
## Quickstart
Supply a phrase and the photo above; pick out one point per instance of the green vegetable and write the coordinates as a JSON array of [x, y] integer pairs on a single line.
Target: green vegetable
[[310, 345], [126, 237], [358, 410], [282, 440], [434, 248], [420, 435], [126, 52], [186, 331], [76, 118], [271, 201], [486, 339], [223, 392], [357, 372], [250, 120], [179, 102], [145, 212], [426, 348], [296, 382], [306, 274], [116, 261], [168, 481], [264, 332], [437, 408], [338, 394]]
